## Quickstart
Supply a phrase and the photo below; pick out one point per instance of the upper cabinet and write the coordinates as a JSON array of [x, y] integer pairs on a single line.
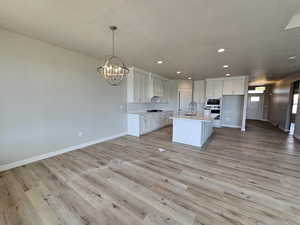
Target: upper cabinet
[[214, 88], [138, 82], [157, 86], [142, 86], [199, 91], [234, 86]]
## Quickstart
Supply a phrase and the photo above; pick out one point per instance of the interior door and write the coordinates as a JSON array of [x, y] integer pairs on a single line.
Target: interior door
[[255, 107]]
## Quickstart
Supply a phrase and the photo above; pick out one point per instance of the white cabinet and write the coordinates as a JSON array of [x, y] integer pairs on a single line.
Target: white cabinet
[[191, 131], [170, 92], [199, 94], [146, 124], [156, 86], [139, 124], [166, 89], [142, 86], [138, 86], [234, 86], [214, 88], [199, 91]]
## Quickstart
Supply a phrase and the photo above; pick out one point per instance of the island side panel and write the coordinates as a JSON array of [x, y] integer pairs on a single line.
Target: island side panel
[[188, 131]]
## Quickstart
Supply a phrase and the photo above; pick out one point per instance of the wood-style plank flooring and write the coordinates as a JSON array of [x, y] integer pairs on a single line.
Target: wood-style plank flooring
[[251, 178]]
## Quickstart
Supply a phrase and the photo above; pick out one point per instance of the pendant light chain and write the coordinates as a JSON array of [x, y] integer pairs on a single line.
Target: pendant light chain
[[113, 42]]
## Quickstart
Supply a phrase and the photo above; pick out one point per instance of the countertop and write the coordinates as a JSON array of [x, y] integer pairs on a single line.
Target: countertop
[[144, 112], [199, 117]]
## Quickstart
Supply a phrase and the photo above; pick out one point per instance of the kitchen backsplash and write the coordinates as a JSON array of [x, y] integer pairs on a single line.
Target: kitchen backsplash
[[131, 107]]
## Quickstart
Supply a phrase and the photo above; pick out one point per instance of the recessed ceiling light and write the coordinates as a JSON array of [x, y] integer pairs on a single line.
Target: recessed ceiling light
[[178, 72], [160, 62], [292, 57], [228, 75], [189, 78], [226, 66], [221, 50]]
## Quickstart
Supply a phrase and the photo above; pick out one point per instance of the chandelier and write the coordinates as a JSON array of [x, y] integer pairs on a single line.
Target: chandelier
[[113, 70]]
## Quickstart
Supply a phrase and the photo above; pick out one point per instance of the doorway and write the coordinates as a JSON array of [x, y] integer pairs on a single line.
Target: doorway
[[255, 106], [294, 106]]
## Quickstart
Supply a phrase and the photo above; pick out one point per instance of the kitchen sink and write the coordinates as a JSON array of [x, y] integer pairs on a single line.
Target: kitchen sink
[[155, 110]]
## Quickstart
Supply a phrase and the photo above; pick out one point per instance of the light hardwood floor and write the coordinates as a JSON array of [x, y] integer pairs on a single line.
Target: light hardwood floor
[[251, 178]]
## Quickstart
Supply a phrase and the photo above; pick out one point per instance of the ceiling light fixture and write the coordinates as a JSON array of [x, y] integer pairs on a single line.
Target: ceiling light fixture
[[228, 75], [160, 62], [221, 50], [114, 70], [292, 57], [178, 72], [189, 78], [226, 66]]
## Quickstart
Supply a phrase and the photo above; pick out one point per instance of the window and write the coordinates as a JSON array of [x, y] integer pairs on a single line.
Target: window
[[295, 103], [255, 99], [257, 90]]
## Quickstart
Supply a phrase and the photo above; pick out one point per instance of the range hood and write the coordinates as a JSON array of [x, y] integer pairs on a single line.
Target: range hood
[[294, 22], [156, 99]]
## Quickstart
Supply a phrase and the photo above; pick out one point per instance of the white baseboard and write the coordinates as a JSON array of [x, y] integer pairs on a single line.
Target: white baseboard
[[55, 153], [297, 136]]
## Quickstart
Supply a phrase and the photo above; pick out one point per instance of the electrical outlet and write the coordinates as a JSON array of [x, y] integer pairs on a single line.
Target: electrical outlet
[[80, 134]]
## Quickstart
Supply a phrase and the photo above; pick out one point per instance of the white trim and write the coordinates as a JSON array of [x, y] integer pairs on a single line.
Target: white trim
[[297, 136], [59, 152], [245, 105]]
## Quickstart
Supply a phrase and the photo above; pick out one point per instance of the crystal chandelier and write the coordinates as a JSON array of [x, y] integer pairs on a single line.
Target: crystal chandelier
[[113, 70]]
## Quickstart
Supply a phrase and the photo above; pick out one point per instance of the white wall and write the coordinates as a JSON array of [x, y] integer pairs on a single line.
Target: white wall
[[49, 94], [297, 124], [279, 109]]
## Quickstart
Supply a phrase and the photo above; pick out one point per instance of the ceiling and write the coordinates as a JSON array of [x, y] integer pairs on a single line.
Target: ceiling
[[184, 34]]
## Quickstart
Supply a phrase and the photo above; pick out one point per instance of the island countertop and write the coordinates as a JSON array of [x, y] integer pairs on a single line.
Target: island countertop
[[200, 117]]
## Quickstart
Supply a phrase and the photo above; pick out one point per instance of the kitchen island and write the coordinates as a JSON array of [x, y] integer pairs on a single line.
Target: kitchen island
[[192, 130]]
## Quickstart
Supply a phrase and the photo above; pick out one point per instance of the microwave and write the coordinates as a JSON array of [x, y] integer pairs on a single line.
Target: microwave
[[213, 101]]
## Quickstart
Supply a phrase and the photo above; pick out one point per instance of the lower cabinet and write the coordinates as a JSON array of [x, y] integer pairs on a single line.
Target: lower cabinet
[[139, 124]]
